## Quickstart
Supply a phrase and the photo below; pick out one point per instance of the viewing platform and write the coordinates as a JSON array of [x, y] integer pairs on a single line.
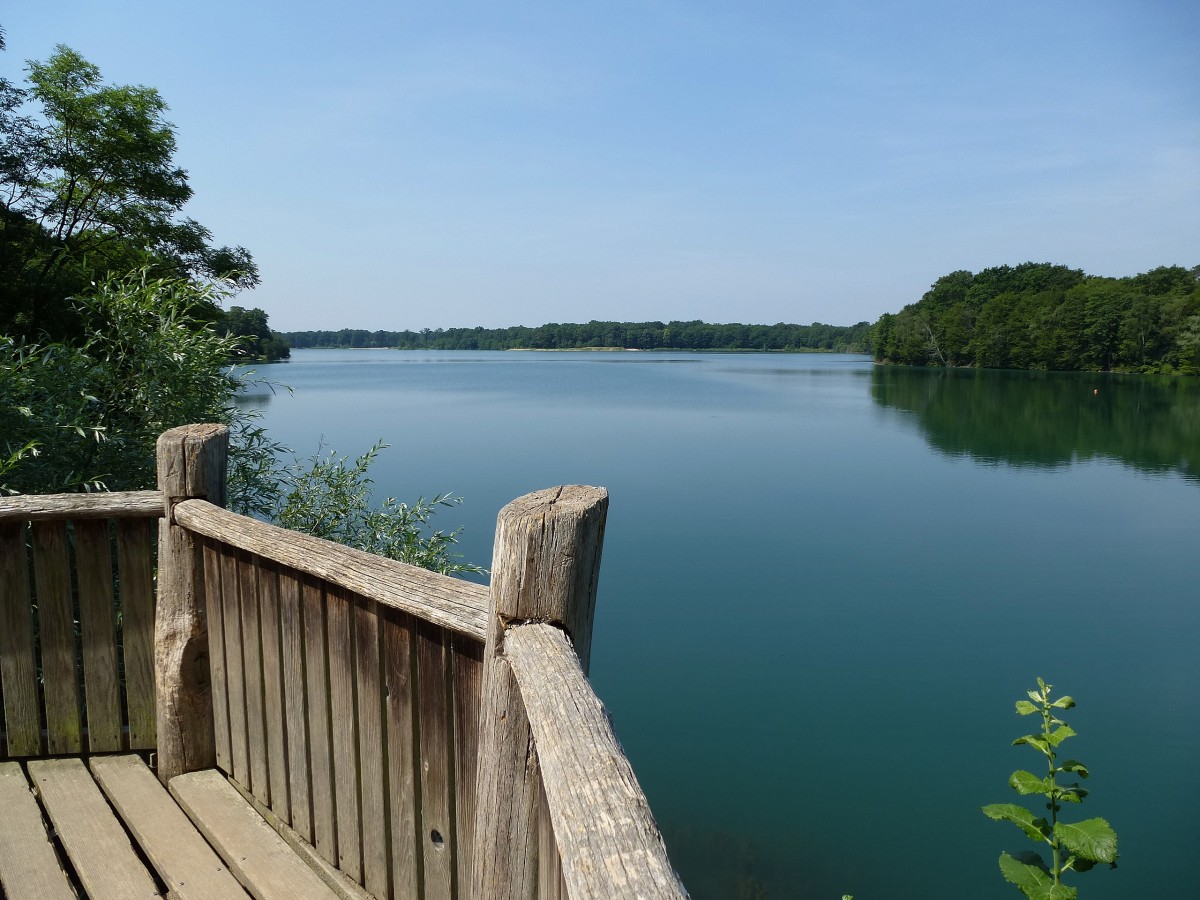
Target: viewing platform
[[197, 704]]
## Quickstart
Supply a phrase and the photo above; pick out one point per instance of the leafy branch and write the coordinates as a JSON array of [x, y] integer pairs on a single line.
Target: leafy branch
[[1083, 844]]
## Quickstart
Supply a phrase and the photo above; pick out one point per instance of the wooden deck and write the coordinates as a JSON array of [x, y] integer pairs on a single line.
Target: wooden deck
[[105, 827]]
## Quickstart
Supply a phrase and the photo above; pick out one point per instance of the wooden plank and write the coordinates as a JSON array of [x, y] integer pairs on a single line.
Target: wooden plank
[[260, 859], [468, 684], [437, 753], [345, 741], [98, 627], [338, 881], [135, 568], [18, 667], [399, 671], [29, 867], [607, 838], [256, 734], [292, 634], [214, 592], [95, 841], [371, 746], [451, 602], [550, 879], [183, 859], [231, 617], [273, 701], [57, 631], [110, 505], [320, 740]]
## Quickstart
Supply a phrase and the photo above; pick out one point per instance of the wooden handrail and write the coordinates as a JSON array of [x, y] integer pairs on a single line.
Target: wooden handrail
[[610, 846], [450, 602], [113, 505]]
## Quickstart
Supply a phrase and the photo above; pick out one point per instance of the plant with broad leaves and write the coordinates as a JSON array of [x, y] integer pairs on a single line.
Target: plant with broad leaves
[[1082, 843]]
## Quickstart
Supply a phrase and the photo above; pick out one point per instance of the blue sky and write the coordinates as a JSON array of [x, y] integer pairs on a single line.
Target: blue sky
[[398, 165]]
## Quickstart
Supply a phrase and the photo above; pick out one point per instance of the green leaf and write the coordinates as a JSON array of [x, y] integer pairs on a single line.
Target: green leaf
[[1072, 793], [1060, 734], [1091, 839], [1029, 873], [1027, 783], [1074, 766], [1035, 828], [1063, 702], [1034, 741], [1024, 708]]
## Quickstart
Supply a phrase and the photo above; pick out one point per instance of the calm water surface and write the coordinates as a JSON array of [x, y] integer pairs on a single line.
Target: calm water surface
[[825, 583]]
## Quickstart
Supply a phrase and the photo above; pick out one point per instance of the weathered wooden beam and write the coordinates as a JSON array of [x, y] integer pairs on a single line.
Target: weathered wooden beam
[[544, 568], [606, 836], [450, 602], [191, 464], [113, 505]]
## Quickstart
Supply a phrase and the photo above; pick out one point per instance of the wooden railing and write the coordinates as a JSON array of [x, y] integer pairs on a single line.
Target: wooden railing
[[77, 623], [413, 734]]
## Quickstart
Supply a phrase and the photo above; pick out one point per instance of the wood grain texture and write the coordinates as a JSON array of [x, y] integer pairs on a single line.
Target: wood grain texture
[[112, 505], [609, 844], [339, 624], [214, 593], [29, 867], [545, 567], [258, 857], [450, 602], [399, 673], [235, 673], [273, 699], [256, 732], [437, 753], [371, 749], [98, 627], [292, 637], [135, 570], [18, 667], [191, 463], [180, 855], [56, 619], [320, 738], [96, 843], [550, 877], [467, 661]]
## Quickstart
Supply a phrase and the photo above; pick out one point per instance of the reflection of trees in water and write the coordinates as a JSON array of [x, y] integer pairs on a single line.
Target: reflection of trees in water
[[1051, 419]]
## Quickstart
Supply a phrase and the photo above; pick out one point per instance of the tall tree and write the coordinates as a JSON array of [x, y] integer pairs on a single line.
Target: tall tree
[[88, 186]]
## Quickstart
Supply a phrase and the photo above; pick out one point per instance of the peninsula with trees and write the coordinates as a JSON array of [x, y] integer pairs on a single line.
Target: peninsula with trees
[[1044, 316]]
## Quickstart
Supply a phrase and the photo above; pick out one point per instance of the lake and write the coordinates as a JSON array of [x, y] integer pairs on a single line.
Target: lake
[[825, 583]]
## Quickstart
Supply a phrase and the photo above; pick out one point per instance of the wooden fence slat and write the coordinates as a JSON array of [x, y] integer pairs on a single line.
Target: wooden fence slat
[[550, 877], [29, 866], [97, 624], [273, 707], [57, 624], [231, 614], [371, 746], [468, 684], [214, 592], [135, 569], [399, 667], [437, 752], [320, 748], [256, 737], [292, 629], [18, 668], [345, 741]]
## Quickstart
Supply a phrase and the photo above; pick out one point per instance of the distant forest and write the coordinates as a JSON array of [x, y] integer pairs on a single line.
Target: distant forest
[[627, 335], [1043, 316]]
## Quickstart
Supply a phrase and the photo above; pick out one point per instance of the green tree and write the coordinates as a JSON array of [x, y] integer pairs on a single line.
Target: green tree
[[88, 186]]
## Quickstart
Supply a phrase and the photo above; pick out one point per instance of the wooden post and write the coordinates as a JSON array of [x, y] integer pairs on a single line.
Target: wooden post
[[191, 465], [544, 568]]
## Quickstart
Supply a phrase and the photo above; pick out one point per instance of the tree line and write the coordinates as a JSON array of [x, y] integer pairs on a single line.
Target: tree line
[[695, 335], [1044, 316]]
